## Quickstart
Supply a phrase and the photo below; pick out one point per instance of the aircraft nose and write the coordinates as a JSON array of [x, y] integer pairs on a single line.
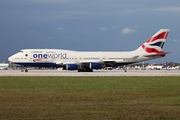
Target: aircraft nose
[[10, 59]]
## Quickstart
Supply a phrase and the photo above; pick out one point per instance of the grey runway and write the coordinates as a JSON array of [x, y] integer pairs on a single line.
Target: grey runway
[[95, 73]]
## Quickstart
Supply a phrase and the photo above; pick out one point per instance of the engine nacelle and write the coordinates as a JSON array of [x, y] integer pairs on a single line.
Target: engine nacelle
[[95, 65], [71, 67]]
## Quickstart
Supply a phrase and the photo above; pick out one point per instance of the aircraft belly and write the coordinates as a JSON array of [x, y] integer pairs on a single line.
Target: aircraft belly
[[38, 64]]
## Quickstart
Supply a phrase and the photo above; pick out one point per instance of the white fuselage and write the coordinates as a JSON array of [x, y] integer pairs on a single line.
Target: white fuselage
[[61, 56]]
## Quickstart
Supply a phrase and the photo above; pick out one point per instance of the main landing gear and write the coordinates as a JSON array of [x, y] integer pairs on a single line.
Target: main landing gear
[[24, 70], [85, 69], [82, 70]]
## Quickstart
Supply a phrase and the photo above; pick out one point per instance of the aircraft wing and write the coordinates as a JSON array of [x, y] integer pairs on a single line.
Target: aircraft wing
[[120, 60], [65, 63], [101, 61], [105, 61], [78, 62], [156, 55]]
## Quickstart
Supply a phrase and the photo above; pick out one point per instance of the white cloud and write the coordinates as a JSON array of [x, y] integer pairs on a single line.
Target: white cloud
[[102, 28], [107, 28], [171, 9], [32, 31], [176, 40], [128, 30], [50, 37], [53, 1], [60, 28], [167, 9]]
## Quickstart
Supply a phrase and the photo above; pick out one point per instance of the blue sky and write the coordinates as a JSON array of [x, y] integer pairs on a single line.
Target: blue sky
[[82, 25]]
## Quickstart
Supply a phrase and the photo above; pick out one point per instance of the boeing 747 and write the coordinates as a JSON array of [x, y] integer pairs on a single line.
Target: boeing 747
[[87, 61]]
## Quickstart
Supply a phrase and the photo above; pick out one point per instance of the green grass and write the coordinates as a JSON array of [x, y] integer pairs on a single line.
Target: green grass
[[90, 98]]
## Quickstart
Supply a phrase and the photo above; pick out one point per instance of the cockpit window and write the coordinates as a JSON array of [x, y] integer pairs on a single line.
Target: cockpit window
[[21, 51]]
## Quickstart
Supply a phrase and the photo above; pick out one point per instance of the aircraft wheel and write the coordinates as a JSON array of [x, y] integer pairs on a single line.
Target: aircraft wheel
[[26, 70], [88, 70], [85, 70], [81, 70], [125, 68]]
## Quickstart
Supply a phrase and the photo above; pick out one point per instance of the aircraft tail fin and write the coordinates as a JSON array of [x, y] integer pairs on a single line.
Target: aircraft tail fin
[[165, 65], [155, 43]]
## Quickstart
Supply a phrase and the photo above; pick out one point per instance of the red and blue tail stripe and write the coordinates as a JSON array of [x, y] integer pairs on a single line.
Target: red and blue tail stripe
[[156, 42], [162, 35]]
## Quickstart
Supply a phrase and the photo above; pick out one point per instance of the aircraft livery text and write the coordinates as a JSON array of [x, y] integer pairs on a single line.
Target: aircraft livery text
[[61, 55]]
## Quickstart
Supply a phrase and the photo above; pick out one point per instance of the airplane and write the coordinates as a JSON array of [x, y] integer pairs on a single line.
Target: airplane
[[87, 61], [158, 67], [4, 66], [164, 67]]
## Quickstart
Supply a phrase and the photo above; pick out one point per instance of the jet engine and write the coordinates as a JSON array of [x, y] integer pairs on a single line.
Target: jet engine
[[95, 65], [71, 67]]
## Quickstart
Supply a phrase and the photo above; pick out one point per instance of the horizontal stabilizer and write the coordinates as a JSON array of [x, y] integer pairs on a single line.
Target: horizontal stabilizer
[[158, 54]]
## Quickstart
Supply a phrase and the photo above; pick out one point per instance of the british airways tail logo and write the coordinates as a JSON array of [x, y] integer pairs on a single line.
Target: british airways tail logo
[[160, 44], [160, 38], [61, 55]]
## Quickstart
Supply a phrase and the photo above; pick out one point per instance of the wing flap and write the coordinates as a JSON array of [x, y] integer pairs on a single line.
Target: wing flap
[[104, 61], [78, 62]]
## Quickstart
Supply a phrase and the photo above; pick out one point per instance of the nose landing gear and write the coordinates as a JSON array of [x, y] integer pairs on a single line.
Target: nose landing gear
[[24, 70]]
